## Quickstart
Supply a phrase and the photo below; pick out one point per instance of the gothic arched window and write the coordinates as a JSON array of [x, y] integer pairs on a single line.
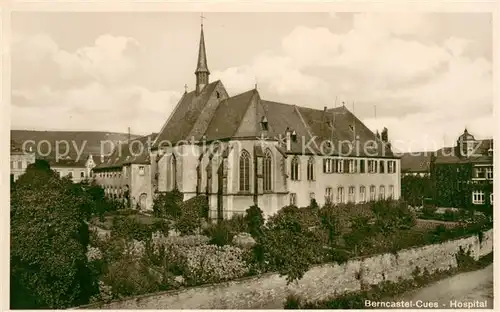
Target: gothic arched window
[[310, 169], [295, 169], [173, 166], [245, 171], [267, 171]]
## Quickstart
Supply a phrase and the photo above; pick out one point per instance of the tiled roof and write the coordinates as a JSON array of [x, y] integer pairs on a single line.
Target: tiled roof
[[346, 127], [134, 152], [226, 122], [185, 115], [450, 155], [285, 116], [66, 163], [15, 148], [416, 162], [227, 118]]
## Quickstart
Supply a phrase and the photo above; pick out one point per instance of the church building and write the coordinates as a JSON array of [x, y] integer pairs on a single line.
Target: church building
[[243, 150]]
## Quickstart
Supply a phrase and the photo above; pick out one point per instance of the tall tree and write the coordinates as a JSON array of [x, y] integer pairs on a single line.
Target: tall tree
[[49, 238]]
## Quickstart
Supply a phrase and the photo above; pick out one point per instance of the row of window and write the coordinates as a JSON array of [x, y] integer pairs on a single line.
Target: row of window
[[70, 174], [21, 164], [352, 196], [333, 165], [115, 192], [330, 165], [478, 198], [115, 174], [118, 174], [483, 173]]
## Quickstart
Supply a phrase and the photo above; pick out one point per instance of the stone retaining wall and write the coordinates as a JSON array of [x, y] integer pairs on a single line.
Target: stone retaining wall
[[319, 283]]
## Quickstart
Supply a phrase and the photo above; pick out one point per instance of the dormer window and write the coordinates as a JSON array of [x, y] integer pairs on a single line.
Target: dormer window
[[294, 136], [351, 128], [264, 123], [490, 152]]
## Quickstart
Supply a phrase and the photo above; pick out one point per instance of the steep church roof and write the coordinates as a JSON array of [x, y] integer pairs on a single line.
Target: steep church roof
[[185, 115], [201, 114], [228, 116]]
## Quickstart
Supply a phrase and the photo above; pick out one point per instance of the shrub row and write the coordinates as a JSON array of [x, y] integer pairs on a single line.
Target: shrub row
[[130, 228]]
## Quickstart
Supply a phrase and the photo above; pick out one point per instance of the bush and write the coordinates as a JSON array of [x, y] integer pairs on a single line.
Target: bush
[[288, 246], [167, 205], [254, 218], [359, 238], [161, 226], [212, 264], [237, 224], [429, 211], [450, 215], [392, 215], [293, 302], [127, 277], [220, 233], [188, 223], [313, 204], [130, 228], [192, 211]]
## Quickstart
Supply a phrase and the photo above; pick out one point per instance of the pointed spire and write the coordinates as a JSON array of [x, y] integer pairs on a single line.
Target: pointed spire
[[202, 71], [202, 55]]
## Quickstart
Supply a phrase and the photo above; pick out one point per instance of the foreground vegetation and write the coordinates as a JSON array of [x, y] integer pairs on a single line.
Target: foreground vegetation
[[57, 262]]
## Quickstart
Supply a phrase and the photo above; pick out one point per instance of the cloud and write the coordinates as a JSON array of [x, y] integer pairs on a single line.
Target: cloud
[[109, 59], [84, 89], [421, 86], [93, 106]]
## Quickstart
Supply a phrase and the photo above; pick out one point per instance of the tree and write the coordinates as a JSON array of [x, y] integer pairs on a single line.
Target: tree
[[254, 218], [168, 204], [288, 245], [49, 238]]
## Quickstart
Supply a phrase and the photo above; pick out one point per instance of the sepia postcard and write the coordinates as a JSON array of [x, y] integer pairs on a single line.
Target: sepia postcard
[[249, 156]]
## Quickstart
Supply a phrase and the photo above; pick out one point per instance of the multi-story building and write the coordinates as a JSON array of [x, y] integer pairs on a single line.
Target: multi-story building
[[19, 160], [463, 174], [77, 170], [126, 174], [242, 150]]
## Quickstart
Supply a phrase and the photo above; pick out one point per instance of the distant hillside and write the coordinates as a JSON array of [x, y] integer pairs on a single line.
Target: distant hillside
[[89, 141]]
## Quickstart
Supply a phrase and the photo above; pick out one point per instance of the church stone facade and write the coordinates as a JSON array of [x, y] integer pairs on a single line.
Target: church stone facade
[[242, 150]]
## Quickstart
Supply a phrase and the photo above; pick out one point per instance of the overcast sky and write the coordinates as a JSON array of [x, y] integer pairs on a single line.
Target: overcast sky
[[429, 75]]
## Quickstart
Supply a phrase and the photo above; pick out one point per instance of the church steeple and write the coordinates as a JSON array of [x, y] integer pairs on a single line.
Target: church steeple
[[202, 71]]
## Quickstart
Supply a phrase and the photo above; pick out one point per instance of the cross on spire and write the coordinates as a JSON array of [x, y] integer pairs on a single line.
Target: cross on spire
[[202, 18]]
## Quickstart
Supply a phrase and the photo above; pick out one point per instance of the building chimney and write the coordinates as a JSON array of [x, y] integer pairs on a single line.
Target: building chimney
[[128, 135]]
